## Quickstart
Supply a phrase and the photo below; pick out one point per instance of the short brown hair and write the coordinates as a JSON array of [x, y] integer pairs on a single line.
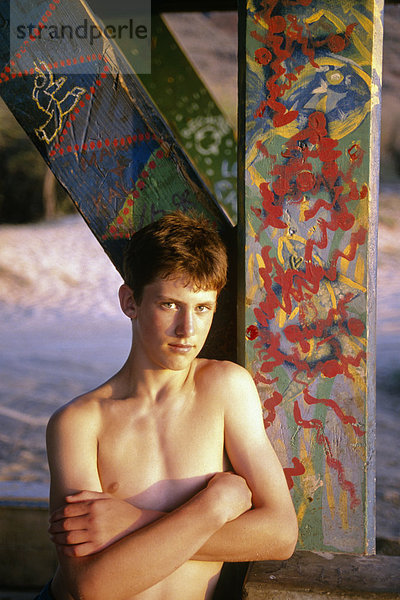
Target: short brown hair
[[178, 245]]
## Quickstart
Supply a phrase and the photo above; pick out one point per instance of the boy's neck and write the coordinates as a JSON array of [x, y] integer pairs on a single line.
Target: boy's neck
[[153, 384]]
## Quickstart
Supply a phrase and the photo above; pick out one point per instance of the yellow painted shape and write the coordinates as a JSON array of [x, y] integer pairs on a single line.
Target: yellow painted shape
[[255, 176], [331, 293], [329, 493], [351, 283], [343, 502], [359, 270]]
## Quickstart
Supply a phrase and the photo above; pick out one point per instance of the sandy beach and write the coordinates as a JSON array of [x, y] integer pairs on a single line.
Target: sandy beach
[[62, 332]]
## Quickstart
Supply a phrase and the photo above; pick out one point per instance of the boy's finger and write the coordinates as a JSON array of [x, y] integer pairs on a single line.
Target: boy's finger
[[78, 509], [84, 495], [70, 538]]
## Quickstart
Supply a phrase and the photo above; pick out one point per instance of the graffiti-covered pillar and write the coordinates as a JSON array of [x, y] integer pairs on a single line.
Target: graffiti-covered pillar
[[310, 78]]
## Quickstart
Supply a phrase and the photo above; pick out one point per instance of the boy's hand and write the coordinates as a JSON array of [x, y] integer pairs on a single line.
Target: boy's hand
[[91, 521], [234, 495]]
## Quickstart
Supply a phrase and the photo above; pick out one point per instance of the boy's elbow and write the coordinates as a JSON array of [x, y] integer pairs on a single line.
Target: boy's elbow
[[288, 539], [284, 541]]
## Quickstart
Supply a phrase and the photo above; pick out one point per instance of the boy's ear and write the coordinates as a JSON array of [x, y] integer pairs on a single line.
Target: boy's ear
[[127, 301]]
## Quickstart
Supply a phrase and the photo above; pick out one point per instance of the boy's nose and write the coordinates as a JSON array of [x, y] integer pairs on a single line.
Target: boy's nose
[[185, 325]]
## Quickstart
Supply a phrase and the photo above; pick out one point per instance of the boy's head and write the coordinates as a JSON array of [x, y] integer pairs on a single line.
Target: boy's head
[[177, 245]]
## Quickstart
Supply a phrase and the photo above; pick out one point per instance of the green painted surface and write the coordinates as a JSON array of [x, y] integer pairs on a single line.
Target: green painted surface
[[194, 117]]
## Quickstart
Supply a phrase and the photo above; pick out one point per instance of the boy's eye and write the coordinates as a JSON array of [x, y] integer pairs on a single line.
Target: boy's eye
[[170, 305], [203, 308]]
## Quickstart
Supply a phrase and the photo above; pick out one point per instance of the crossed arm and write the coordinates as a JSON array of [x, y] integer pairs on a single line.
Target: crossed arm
[[96, 533]]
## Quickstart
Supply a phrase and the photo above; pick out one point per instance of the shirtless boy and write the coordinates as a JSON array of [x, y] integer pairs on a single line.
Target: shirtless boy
[[165, 471]]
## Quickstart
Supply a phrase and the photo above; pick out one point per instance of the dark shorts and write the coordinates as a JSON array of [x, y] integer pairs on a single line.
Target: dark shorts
[[45, 594]]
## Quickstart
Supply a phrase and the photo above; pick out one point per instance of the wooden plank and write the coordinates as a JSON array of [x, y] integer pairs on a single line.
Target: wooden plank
[[310, 129], [98, 130], [104, 139], [195, 119]]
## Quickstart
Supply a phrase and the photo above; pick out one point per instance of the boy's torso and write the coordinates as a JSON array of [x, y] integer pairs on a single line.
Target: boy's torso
[[157, 457]]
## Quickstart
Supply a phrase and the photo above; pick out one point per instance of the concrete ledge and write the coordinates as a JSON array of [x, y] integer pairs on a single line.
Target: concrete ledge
[[27, 557], [308, 575]]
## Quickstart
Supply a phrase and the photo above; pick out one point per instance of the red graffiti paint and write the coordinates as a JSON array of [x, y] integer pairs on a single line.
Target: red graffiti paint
[[295, 471], [332, 462], [270, 404]]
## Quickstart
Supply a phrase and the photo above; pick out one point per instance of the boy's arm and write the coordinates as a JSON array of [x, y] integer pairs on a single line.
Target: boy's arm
[[145, 557], [268, 531]]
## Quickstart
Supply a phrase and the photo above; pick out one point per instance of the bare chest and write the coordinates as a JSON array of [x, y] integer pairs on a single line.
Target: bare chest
[[160, 459]]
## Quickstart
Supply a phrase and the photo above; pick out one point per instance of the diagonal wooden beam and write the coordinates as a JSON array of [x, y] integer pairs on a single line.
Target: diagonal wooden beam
[[193, 115], [96, 127], [103, 137]]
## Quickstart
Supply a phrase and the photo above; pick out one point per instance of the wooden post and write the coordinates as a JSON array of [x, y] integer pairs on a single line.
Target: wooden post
[[310, 91]]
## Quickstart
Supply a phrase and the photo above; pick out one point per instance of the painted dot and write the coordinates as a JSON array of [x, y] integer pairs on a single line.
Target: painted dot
[[160, 154], [81, 103], [356, 326], [68, 124], [120, 220], [140, 137], [69, 148], [103, 75], [61, 140], [62, 63], [92, 89], [99, 143], [115, 142], [113, 229], [126, 211], [140, 185], [65, 132], [129, 139], [76, 147], [55, 66], [134, 138], [76, 110], [92, 145], [61, 151], [85, 147], [122, 141], [147, 136], [129, 202], [251, 332], [107, 142], [152, 164], [68, 61], [135, 194], [144, 174], [87, 96], [88, 58]]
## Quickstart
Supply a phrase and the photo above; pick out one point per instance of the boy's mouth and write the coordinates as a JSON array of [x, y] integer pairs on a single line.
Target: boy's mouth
[[181, 347]]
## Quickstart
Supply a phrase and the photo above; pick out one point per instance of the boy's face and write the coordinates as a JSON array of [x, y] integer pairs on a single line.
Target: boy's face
[[172, 322]]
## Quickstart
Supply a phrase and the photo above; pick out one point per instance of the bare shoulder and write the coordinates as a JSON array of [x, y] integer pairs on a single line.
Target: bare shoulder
[[227, 378], [80, 414]]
